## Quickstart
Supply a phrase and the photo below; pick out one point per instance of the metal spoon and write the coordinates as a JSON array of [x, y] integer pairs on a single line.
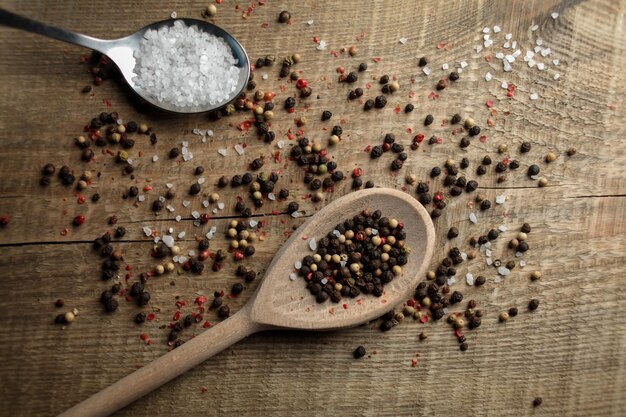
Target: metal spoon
[[280, 303], [120, 51]]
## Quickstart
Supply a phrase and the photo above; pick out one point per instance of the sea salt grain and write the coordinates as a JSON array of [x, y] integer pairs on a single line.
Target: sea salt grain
[[185, 67], [554, 15], [473, 218]]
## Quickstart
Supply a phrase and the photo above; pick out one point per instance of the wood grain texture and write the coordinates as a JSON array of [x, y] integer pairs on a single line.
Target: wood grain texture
[[571, 351]]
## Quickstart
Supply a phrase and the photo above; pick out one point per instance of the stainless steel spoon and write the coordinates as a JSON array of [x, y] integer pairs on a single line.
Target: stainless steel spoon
[[120, 51]]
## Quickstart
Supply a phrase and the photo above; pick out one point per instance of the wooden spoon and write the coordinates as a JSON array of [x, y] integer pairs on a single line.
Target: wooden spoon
[[285, 304]]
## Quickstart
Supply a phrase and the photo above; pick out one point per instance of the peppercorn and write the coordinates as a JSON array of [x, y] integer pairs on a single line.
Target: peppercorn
[[422, 61], [474, 130], [256, 164], [533, 304], [384, 79], [409, 108], [369, 104], [369, 184], [525, 147], [479, 281], [537, 401], [514, 164], [359, 352], [456, 297], [380, 102], [44, 181], [571, 151], [512, 312], [284, 16], [140, 317], [157, 205], [396, 164], [376, 152], [111, 305], [441, 84], [352, 77], [533, 170], [428, 120], [504, 316], [453, 76], [326, 115], [337, 130], [485, 205]]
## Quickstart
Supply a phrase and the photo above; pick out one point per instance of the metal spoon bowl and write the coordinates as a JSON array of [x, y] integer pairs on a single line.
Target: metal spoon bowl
[[121, 52]]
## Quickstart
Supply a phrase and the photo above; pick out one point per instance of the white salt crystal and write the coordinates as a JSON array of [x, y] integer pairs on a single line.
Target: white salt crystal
[[178, 218], [463, 64], [147, 231], [185, 67], [514, 44], [522, 263], [403, 41], [170, 230], [488, 43], [173, 15], [554, 15], [534, 96], [195, 214], [496, 29], [557, 76], [239, 149], [517, 53], [170, 208], [504, 85], [169, 240], [265, 76], [497, 279], [469, 279], [321, 45], [500, 55], [182, 234], [488, 253], [489, 261], [546, 52], [175, 259], [192, 253], [293, 276], [280, 144], [503, 228], [182, 259], [534, 28], [540, 66], [222, 151], [186, 203], [374, 232], [538, 49], [157, 239], [506, 66], [486, 29], [556, 62], [296, 214], [162, 199], [504, 271], [155, 158], [205, 203], [298, 265], [508, 36], [445, 310], [271, 196], [488, 76], [324, 281], [451, 280], [201, 180], [253, 223], [510, 58], [337, 233], [500, 199], [488, 244], [129, 161], [531, 63], [309, 22], [214, 211], [506, 45], [539, 42], [486, 37], [478, 48], [459, 70], [445, 67], [473, 218], [313, 244], [188, 157], [464, 256], [518, 254], [426, 70]]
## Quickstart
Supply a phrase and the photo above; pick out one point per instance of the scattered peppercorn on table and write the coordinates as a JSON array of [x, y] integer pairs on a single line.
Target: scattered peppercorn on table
[[126, 231]]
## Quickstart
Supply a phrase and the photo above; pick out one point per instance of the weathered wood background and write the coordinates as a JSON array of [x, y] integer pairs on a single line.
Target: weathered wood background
[[571, 352]]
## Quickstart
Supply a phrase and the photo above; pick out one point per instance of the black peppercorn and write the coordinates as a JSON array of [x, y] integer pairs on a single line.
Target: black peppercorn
[[533, 170], [525, 147], [522, 247], [376, 151], [396, 164], [326, 115], [464, 346], [525, 228], [533, 304], [512, 312], [44, 181], [369, 104], [480, 280], [194, 189], [386, 325], [290, 102], [237, 288], [284, 16], [359, 352], [481, 170], [111, 305], [435, 172], [456, 297], [422, 188], [337, 130], [453, 232], [380, 102], [369, 184], [409, 108], [465, 142], [293, 207], [485, 205], [474, 130], [429, 120], [537, 401], [453, 76], [352, 77], [157, 205], [174, 152], [514, 164], [422, 61]]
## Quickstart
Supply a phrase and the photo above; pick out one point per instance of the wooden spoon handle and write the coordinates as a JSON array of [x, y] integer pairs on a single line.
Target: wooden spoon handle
[[167, 367]]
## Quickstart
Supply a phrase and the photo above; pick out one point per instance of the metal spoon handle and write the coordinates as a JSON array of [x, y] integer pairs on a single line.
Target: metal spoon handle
[[20, 22]]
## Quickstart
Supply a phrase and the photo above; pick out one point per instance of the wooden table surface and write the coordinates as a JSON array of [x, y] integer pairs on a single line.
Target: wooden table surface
[[571, 351]]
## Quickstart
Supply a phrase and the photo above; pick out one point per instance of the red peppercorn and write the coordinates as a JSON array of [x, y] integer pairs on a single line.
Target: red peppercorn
[[301, 83], [203, 255], [357, 172], [419, 138], [204, 218], [4, 220], [238, 256], [78, 220]]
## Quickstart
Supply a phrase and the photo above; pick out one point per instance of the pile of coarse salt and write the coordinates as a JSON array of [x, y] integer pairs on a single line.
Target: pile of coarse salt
[[185, 67]]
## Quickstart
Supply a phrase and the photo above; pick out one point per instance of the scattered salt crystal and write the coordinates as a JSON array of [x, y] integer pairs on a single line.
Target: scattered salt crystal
[[313, 244], [162, 199], [459, 70], [195, 214], [539, 42], [557, 76], [500, 199], [464, 256], [188, 157], [253, 223], [488, 43], [504, 85], [201, 180], [374, 232], [157, 239], [343, 264], [540, 66], [175, 258], [517, 53], [506, 66], [173, 15], [504, 271], [488, 76], [221, 205], [119, 121], [445, 67], [500, 55], [508, 36], [488, 253], [534, 28], [478, 48], [170, 230], [280, 144], [497, 279], [209, 132], [141, 197], [486, 37], [178, 218], [514, 44], [324, 281], [426, 70], [239, 149], [309, 22], [503, 228], [271, 196], [211, 233], [205, 203], [147, 231], [265, 76], [534, 96], [222, 151], [486, 30], [488, 244], [129, 161], [196, 131], [506, 45], [518, 254], [321, 45], [554, 15], [169, 240], [298, 265], [403, 41], [182, 259], [155, 158], [296, 214], [497, 29], [473, 218], [489, 261], [546, 52], [556, 62], [170, 208], [293, 276], [192, 253], [214, 211], [445, 310], [337, 233], [482, 248], [182, 234], [531, 63], [186, 203], [451, 280], [538, 49], [469, 278]]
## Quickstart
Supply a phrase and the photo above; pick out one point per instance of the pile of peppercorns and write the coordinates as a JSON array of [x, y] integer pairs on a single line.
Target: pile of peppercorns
[[360, 255]]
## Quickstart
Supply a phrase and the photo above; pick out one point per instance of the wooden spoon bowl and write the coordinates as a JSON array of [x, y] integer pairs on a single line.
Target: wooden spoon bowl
[[285, 304]]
